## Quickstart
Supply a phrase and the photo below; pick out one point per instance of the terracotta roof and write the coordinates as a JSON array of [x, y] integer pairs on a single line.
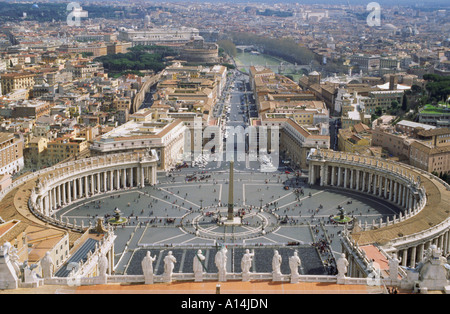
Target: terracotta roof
[[435, 212], [434, 132]]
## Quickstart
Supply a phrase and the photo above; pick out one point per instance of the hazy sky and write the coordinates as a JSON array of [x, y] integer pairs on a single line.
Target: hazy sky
[[418, 3]]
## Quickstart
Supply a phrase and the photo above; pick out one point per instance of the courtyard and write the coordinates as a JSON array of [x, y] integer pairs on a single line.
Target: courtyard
[[278, 210]]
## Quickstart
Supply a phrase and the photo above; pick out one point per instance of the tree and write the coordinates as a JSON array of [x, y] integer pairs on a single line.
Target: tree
[[228, 46], [405, 103], [394, 105], [379, 111]]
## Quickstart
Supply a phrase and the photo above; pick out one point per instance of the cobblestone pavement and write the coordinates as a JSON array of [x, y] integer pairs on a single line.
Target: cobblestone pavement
[[169, 215]]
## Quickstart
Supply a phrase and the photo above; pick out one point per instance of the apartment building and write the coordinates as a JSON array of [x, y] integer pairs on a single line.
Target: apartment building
[[143, 132], [11, 82], [11, 153]]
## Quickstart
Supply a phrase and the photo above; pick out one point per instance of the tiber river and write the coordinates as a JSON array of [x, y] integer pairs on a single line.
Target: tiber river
[[247, 59]]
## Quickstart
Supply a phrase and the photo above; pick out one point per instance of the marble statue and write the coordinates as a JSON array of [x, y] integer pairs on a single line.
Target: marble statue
[[276, 266], [102, 267], [294, 264], [431, 274], [147, 267], [47, 266], [221, 263], [198, 265], [169, 264], [393, 263], [29, 273], [13, 257], [342, 264], [8, 275], [246, 262]]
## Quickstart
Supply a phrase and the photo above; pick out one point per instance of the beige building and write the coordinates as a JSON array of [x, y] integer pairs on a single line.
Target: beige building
[[295, 141], [432, 151], [357, 139], [64, 148], [11, 82], [395, 144], [145, 130], [36, 148], [11, 153]]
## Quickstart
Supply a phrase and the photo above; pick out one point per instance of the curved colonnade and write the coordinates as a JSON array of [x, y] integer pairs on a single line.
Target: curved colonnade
[[66, 183], [423, 201]]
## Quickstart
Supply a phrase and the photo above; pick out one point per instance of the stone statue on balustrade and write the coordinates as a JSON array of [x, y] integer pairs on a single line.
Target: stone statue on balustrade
[[169, 264], [434, 271], [147, 268], [103, 268], [246, 264], [8, 275], [342, 265], [29, 273], [294, 264], [14, 258], [276, 266], [221, 263], [393, 264], [47, 266], [199, 267]]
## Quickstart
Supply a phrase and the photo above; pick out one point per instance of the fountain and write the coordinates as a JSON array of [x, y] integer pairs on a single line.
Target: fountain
[[341, 217], [117, 219]]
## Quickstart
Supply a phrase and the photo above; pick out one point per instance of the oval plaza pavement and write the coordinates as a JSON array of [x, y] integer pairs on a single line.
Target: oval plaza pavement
[[166, 217]]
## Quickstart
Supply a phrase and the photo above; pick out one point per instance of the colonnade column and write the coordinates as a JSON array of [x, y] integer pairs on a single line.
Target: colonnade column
[[333, 175], [142, 176]]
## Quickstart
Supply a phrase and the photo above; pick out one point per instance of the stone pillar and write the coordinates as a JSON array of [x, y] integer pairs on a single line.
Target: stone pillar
[[364, 182], [405, 200], [333, 175], [74, 187], [54, 203], [311, 175], [142, 176], [385, 187], [358, 175], [412, 262], [131, 177], [80, 188], [64, 193], [153, 172], [322, 176], [420, 253], [374, 188], [339, 176], [86, 186], [395, 192], [47, 204], [92, 179], [440, 242], [352, 178], [69, 192], [346, 170], [124, 178], [117, 171], [405, 257], [380, 186], [41, 204], [111, 180], [445, 248], [391, 190]]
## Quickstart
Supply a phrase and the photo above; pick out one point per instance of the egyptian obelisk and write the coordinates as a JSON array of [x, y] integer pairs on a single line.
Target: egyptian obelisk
[[230, 215]]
